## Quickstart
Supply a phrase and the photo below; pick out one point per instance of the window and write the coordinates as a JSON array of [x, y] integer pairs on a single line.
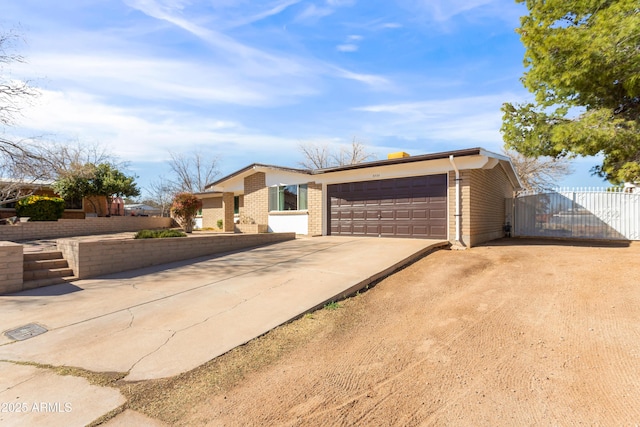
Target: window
[[288, 198], [236, 205], [73, 203]]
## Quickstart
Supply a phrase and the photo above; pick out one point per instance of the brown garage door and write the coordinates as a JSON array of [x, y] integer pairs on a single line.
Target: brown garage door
[[402, 207]]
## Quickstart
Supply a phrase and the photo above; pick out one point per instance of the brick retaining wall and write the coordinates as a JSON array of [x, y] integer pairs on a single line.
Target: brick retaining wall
[[11, 267], [80, 227], [91, 258]]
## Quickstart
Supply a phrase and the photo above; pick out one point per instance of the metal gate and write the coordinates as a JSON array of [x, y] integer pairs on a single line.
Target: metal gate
[[590, 213]]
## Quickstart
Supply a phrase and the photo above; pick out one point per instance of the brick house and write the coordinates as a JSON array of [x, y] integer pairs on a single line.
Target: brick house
[[74, 209], [455, 195]]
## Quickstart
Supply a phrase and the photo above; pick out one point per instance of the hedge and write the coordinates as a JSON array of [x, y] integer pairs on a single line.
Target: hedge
[[40, 208]]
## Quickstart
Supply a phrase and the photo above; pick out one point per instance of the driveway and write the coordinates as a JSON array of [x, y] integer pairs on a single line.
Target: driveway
[[161, 321]]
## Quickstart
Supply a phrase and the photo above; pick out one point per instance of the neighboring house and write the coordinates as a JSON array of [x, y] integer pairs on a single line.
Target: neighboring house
[[456, 195], [74, 209]]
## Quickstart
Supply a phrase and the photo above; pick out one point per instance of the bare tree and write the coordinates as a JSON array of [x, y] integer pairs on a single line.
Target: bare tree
[[20, 161], [315, 156], [192, 172], [64, 157], [160, 195], [353, 154], [319, 156], [538, 173]]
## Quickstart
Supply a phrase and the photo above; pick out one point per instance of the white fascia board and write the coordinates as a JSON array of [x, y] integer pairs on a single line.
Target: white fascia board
[[401, 170], [494, 155], [273, 177], [276, 177]]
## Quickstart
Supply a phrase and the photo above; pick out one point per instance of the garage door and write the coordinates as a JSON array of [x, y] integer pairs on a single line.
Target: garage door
[[402, 207]]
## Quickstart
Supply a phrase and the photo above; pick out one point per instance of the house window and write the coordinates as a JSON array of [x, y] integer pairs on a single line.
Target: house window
[[73, 203], [236, 205], [288, 198]]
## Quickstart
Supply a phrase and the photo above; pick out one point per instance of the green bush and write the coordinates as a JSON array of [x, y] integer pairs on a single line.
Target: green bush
[[158, 234], [40, 208], [220, 223]]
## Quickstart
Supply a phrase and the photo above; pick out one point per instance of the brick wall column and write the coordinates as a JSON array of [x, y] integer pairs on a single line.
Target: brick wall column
[[227, 206], [256, 198], [314, 206]]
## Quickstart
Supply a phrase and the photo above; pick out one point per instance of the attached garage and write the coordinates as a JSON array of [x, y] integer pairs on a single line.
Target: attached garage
[[413, 207], [457, 196]]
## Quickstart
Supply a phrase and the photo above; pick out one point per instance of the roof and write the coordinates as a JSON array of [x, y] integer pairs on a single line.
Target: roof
[[410, 159], [478, 151], [256, 166]]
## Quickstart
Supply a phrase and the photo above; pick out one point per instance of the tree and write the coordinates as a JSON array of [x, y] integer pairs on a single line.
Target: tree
[[320, 156], [184, 208], [583, 65], [89, 180], [538, 173], [192, 172], [22, 161], [161, 195]]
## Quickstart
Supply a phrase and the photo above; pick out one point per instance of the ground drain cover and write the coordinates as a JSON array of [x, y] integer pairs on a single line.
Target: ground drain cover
[[25, 332]]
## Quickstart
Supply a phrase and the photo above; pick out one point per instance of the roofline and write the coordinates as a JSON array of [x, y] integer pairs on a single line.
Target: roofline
[[255, 166], [419, 158]]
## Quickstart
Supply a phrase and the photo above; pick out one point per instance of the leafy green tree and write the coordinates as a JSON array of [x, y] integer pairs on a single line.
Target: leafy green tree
[[583, 65], [91, 180]]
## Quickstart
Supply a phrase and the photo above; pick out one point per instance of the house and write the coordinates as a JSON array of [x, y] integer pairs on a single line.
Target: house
[[74, 208], [455, 195]]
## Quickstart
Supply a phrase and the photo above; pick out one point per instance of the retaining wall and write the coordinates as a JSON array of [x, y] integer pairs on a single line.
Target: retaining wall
[[91, 258], [80, 227], [11, 267]]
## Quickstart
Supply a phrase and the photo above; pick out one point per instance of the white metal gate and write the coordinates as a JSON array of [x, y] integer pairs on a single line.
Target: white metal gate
[[587, 213]]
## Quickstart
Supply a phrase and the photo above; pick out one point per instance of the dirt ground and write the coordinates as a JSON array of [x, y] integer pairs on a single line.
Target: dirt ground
[[516, 332]]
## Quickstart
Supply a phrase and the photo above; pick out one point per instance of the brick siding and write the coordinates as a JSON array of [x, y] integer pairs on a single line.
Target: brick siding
[[91, 258], [11, 267], [483, 192], [212, 211], [80, 227], [256, 198], [314, 204], [489, 189]]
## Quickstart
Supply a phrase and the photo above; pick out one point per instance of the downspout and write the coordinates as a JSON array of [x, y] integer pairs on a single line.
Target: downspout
[[457, 214]]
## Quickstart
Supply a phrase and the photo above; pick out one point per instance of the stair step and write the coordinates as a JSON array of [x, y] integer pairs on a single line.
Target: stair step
[[33, 284], [45, 264], [36, 256], [47, 273]]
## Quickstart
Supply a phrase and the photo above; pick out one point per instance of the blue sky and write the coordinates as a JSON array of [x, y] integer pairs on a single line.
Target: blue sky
[[248, 81]]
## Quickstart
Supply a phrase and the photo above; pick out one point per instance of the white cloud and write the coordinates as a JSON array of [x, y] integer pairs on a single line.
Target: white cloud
[[255, 17], [247, 60], [469, 120], [142, 134], [313, 12], [347, 47]]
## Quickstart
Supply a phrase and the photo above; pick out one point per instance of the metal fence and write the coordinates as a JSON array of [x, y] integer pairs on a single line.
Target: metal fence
[[585, 213]]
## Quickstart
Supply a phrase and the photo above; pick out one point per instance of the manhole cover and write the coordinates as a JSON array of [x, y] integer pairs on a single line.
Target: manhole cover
[[25, 332]]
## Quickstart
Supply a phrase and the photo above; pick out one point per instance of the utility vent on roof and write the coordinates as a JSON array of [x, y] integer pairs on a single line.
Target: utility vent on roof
[[397, 155]]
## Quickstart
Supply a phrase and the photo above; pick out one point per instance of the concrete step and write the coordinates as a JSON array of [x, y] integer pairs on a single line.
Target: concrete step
[[33, 284], [45, 269], [45, 264], [47, 273], [37, 256]]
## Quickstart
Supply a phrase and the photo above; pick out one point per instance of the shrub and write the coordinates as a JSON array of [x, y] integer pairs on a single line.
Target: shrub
[[158, 234], [220, 223], [185, 207], [41, 208]]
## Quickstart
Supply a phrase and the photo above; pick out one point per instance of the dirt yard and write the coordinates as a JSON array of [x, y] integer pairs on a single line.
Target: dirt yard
[[512, 333]]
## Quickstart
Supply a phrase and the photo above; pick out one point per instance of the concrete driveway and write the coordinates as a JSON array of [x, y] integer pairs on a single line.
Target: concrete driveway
[[162, 321]]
